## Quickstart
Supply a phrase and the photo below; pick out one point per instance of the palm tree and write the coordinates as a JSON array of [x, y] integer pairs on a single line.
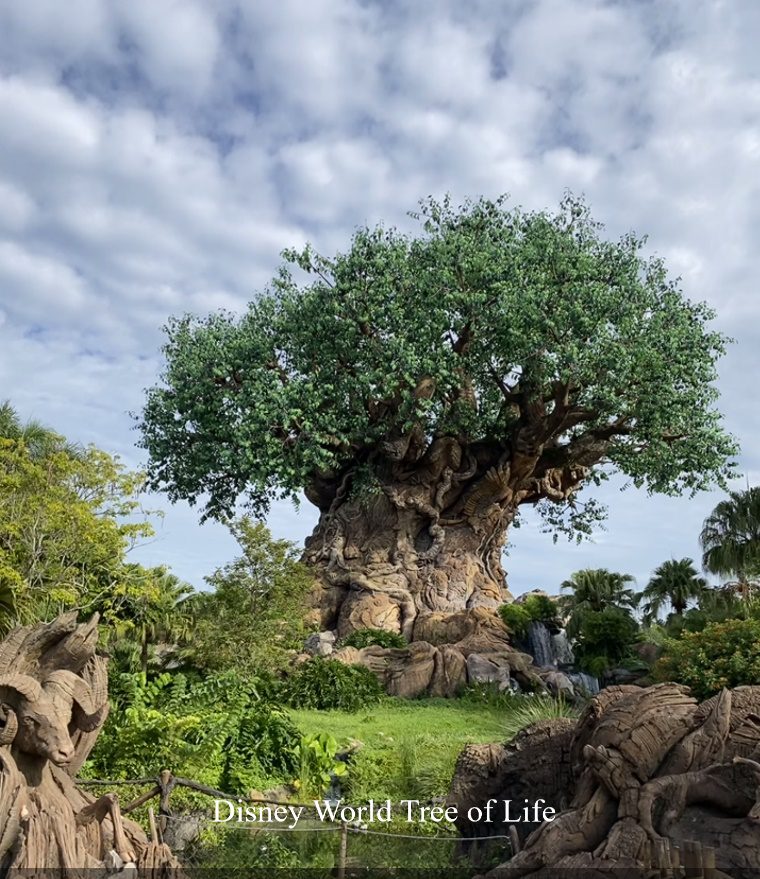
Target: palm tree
[[154, 609], [731, 538], [673, 583], [594, 589], [40, 440]]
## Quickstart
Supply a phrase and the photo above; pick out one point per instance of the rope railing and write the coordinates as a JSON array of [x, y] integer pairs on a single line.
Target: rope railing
[[166, 783]]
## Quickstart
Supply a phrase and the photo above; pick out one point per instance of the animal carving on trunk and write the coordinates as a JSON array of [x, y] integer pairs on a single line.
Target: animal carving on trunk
[[53, 703], [653, 778]]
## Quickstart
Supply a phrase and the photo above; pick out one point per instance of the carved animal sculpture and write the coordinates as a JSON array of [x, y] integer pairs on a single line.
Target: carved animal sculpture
[[53, 703], [654, 776], [37, 716]]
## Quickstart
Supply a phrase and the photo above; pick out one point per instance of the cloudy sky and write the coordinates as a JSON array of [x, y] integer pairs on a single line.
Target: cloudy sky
[[157, 155]]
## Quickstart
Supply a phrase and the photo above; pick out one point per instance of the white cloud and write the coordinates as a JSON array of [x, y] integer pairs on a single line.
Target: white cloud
[[155, 157]]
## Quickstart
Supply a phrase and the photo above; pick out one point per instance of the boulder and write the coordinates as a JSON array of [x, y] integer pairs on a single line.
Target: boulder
[[558, 684], [320, 644], [485, 669], [449, 673], [405, 671]]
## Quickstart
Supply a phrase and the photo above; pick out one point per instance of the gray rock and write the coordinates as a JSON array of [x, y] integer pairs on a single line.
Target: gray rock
[[320, 644], [484, 670], [559, 684], [112, 862]]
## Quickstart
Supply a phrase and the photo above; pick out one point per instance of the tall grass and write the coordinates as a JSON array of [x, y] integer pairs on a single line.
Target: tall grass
[[531, 709]]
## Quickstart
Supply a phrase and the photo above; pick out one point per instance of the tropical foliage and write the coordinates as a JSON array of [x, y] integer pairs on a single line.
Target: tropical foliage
[[723, 654], [594, 590], [255, 611], [327, 684], [491, 324], [674, 584], [731, 537], [66, 523], [360, 638]]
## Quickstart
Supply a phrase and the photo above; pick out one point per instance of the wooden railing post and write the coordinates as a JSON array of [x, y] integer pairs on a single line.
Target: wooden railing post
[[166, 782]]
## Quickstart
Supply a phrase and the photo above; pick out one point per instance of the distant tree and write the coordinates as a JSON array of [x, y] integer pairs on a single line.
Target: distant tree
[[38, 439], [731, 538], [66, 522], [593, 590], [147, 606], [674, 584], [421, 390], [256, 609]]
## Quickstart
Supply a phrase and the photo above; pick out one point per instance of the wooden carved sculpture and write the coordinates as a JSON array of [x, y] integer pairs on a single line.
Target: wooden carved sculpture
[[53, 703], [654, 781]]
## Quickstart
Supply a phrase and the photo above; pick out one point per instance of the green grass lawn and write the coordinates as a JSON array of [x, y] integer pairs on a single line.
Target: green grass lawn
[[408, 748]]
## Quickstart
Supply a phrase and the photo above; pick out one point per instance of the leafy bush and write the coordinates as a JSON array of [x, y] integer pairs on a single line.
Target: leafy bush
[[369, 637], [265, 744], [217, 731], [234, 854], [532, 709], [721, 655], [326, 684], [316, 755], [516, 618], [605, 638], [540, 608], [535, 608]]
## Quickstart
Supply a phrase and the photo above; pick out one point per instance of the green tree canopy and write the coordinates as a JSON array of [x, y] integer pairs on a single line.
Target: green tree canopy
[[593, 590], [525, 335], [674, 583], [257, 607], [66, 522]]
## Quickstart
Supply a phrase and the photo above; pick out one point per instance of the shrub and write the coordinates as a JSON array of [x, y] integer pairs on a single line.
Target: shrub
[[217, 731], [540, 608], [369, 637], [721, 655], [516, 618], [605, 637], [535, 608], [265, 744], [318, 763], [326, 684]]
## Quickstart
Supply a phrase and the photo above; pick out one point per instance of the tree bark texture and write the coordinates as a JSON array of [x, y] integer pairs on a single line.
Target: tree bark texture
[[646, 780], [425, 535]]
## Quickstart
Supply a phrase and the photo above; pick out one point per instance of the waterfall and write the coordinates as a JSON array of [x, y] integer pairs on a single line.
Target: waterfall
[[584, 683], [561, 649], [540, 644]]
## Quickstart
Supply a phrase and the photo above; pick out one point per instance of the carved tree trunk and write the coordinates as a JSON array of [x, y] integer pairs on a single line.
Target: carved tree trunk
[[411, 544]]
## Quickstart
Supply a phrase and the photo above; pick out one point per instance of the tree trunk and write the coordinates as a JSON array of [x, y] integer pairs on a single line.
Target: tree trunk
[[402, 548]]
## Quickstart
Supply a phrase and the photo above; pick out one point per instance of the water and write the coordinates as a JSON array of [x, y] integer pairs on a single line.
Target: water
[[584, 683], [540, 644], [561, 649]]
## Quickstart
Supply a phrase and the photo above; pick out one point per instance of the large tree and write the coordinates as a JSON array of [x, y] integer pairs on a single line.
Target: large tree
[[419, 390]]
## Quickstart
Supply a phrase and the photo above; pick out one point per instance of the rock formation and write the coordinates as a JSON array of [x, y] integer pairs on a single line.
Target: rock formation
[[644, 780], [458, 648], [53, 704]]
